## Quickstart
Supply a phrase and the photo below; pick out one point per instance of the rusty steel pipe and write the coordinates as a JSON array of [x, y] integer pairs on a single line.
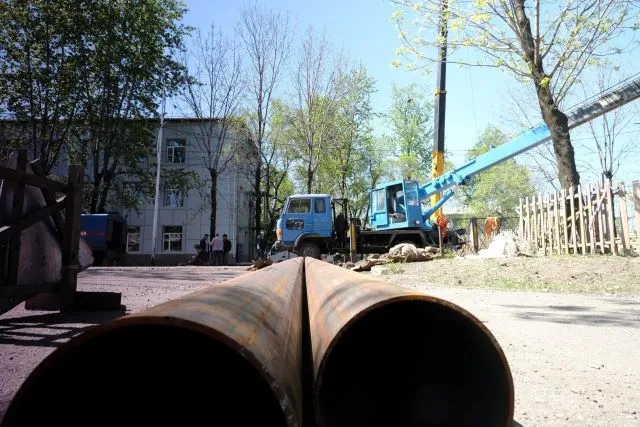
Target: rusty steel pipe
[[227, 355], [384, 355]]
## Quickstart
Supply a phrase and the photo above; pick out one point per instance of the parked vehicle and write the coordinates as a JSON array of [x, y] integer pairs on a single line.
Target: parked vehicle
[[106, 234]]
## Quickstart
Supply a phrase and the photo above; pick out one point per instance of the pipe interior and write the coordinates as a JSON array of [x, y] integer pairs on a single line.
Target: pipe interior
[[414, 363], [147, 375]]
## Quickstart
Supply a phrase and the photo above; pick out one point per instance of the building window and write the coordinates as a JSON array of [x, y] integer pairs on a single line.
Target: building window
[[173, 198], [172, 238], [132, 190], [176, 150], [133, 239], [299, 206]]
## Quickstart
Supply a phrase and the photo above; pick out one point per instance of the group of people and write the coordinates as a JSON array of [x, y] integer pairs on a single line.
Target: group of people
[[217, 249]]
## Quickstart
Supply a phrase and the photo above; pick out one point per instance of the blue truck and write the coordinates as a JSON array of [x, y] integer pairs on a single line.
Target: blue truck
[[400, 211], [106, 234]]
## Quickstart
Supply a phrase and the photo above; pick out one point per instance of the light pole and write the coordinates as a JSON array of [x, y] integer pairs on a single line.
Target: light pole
[[156, 204]]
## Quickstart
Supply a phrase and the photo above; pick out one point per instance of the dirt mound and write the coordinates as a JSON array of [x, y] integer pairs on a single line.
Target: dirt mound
[[507, 245], [406, 252]]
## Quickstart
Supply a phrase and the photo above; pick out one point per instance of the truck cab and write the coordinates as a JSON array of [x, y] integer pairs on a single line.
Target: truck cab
[[306, 224]]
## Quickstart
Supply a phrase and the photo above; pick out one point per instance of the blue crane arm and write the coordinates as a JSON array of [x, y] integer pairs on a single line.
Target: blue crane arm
[[615, 97]]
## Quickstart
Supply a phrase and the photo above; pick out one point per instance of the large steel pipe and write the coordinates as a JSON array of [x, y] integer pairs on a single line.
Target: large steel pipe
[[384, 355], [229, 355]]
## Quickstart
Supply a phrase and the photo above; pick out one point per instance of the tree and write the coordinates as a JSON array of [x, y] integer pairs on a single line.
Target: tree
[[316, 93], [266, 38], [499, 189], [40, 70], [127, 63], [278, 156], [551, 54], [84, 76], [342, 170], [213, 95], [412, 126], [606, 133]]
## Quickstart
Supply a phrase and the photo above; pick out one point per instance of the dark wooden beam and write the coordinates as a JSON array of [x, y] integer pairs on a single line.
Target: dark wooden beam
[[50, 198], [13, 227], [71, 243], [17, 211], [29, 179]]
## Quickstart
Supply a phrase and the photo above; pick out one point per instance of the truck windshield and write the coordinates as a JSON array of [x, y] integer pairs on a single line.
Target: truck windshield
[[411, 193]]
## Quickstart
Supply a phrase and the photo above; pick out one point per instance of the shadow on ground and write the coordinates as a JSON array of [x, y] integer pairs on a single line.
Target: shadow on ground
[[51, 329], [162, 275], [626, 316]]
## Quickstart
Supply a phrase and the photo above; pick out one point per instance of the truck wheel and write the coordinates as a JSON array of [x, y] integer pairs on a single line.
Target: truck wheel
[[309, 249]]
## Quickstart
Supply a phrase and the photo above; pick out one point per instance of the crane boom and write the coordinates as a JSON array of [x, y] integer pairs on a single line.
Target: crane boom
[[615, 97]]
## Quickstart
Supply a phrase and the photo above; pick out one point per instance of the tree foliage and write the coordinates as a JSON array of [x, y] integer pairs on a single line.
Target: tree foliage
[[549, 52], [412, 125], [85, 75], [266, 38], [499, 189], [213, 94]]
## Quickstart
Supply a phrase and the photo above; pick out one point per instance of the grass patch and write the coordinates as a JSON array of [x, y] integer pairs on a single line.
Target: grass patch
[[395, 268]]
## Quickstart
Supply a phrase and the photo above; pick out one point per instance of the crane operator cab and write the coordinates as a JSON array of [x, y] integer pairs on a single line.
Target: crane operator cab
[[395, 205]]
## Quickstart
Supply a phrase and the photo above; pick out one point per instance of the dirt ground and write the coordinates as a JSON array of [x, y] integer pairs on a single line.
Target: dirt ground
[[575, 358], [570, 327], [27, 337]]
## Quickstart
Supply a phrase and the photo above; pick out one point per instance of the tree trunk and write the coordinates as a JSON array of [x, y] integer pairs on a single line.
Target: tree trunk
[[558, 125], [214, 202], [258, 183], [555, 119]]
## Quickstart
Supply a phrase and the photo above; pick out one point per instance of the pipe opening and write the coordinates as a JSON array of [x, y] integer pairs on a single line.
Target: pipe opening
[[146, 375], [414, 363]]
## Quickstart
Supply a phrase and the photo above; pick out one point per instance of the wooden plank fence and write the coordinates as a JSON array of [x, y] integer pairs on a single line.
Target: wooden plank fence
[[62, 295], [582, 220]]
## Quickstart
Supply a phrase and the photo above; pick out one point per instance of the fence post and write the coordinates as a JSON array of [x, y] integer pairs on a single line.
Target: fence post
[[572, 207], [563, 193], [610, 217], [598, 214], [474, 234], [521, 220], [528, 227], [591, 222], [17, 211], [557, 221], [71, 242], [636, 203], [583, 233], [624, 218]]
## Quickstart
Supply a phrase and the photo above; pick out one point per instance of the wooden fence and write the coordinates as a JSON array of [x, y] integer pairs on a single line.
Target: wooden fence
[[582, 220], [67, 228]]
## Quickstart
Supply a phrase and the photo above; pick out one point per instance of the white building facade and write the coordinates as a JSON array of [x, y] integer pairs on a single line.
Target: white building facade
[[183, 218]]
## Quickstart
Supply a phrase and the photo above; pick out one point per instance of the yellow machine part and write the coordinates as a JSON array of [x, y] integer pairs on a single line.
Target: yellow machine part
[[437, 169]]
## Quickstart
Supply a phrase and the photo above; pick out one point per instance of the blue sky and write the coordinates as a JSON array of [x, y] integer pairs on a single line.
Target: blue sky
[[475, 97]]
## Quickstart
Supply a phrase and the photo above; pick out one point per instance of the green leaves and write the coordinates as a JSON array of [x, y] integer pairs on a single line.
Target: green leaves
[[411, 119], [499, 188]]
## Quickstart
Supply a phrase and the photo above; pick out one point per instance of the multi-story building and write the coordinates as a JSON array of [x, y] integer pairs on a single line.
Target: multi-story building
[[183, 218]]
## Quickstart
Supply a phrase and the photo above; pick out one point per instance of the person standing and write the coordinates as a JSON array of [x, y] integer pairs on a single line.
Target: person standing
[[226, 246], [218, 248], [262, 245]]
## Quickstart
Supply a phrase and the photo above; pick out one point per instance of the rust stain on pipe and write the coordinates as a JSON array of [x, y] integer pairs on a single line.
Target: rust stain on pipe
[[226, 355], [384, 355]]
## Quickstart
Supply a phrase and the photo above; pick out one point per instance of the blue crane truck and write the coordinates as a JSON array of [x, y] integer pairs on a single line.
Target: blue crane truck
[[106, 234], [399, 211]]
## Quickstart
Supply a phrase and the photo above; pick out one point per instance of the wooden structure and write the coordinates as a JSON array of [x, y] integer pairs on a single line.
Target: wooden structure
[[581, 220], [58, 197]]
